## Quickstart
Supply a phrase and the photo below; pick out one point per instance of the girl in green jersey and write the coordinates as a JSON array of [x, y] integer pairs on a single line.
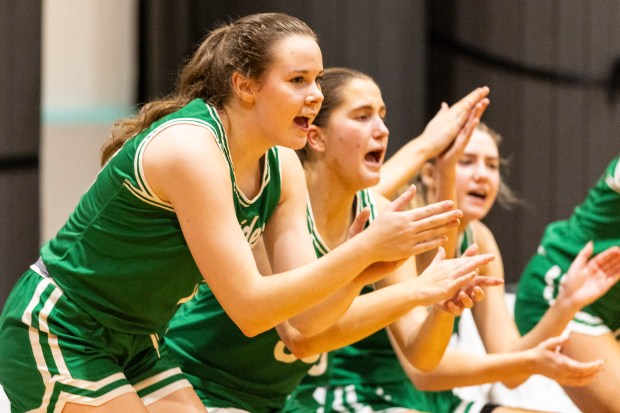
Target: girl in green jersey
[[256, 374], [472, 179], [187, 187], [595, 328]]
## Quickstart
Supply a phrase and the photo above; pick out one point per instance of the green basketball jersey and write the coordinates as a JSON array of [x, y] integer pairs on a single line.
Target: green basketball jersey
[[122, 256], [228, 369], [596, 219], [368, 376]]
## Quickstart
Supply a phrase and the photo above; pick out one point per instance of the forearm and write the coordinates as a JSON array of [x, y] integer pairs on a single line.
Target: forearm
[[458, 369], [368, 314], [424, 347], [323, 315], [268, 301], [552, 324]]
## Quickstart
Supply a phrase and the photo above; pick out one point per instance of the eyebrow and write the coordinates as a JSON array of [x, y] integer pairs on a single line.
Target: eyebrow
[[370, 107]]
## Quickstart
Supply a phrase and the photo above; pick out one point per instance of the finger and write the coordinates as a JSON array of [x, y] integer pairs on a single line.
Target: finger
[[428, 245], [556, 343], [465, 300], [481, 107], [608, 260], [474, 96], [477, 294], [453, 308], [582, 258], [403, 201], [473, 262], [440, 256], [358, 223], [435, 210], [484, 281], [471, 250]]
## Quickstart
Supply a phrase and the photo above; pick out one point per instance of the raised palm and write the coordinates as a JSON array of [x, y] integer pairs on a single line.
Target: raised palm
[[588, 278]]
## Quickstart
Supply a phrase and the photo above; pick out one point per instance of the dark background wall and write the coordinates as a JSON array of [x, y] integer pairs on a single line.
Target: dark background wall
[[554, 98], [20, 85], [548, 64]]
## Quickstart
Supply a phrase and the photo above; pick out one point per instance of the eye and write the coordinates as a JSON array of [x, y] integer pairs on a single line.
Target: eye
[[298, 79], [465, 161]]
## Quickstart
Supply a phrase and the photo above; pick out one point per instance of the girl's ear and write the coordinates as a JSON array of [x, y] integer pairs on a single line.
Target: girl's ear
[[245, 88], [315, 139], [428, 175]]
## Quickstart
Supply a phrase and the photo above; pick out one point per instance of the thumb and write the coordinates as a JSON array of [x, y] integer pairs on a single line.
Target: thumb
[[582, 258], [358, 223], [440, 256], [556, 343], [403, 201]]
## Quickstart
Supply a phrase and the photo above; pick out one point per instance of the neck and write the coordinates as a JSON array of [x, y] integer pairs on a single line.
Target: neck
[[332, 207], [246, 148]]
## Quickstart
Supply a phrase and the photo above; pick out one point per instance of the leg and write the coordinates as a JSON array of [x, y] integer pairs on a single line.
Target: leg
[[601, 395], [181, 401], [129, 402]]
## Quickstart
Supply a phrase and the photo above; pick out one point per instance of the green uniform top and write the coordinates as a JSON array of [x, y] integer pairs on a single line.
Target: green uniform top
[[228, 369], [596, 219], [364, 199], [122, 256]]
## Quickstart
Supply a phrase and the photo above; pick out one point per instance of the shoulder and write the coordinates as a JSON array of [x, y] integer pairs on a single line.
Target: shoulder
[[183, 152], [483, 236]]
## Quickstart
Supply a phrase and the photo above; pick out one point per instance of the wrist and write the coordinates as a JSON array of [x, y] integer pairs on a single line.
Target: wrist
[[565, 305], [438, 310], [529, 364]]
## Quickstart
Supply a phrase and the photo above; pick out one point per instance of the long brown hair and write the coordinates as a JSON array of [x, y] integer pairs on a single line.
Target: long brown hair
[[244, 46]]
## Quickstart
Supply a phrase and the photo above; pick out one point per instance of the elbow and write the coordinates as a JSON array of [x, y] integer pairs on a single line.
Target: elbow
[[306, 328], [425, 367], [251, 327], [250, 330], [299, 347], [423, 383], [425, 364]]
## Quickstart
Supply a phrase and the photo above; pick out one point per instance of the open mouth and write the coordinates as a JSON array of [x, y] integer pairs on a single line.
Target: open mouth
[[478, 194], [302, 121], [374, 157]]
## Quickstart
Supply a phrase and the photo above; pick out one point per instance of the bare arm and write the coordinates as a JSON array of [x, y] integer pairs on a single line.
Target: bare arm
[[458, 368], [375, 310], [587, 279], [200, 192]]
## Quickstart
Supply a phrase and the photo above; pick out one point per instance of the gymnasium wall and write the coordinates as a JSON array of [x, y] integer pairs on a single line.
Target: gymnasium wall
[[554, 72]]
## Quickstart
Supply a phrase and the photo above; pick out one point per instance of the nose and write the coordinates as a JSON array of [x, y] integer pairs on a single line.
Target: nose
[[314, 94], [380, 130], [481, 171]]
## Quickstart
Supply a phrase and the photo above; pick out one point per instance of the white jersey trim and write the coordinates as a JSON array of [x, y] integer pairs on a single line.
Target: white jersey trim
[[143, 191]]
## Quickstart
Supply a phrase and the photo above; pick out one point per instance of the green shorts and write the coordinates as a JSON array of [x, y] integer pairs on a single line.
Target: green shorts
[[538, 289], [51, 353], [391, 398]]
